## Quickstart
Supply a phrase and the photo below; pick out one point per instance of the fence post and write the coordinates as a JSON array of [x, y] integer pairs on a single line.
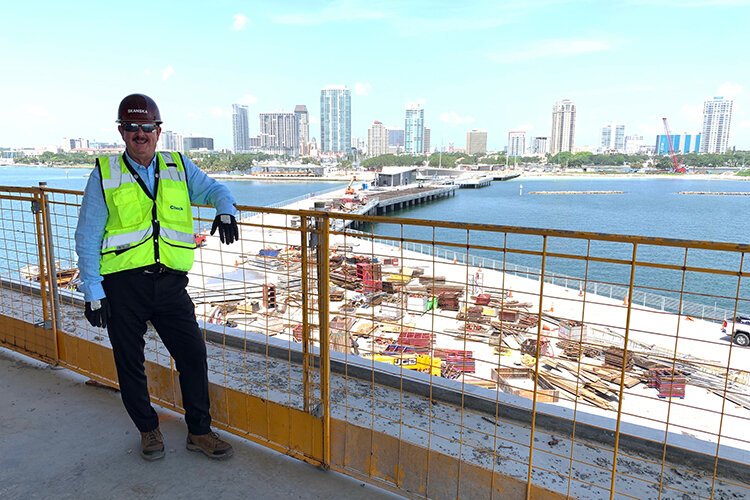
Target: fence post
[[323, 265], [49, 249]]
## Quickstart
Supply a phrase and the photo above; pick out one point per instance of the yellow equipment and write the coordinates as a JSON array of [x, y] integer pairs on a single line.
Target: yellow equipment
[[417, 362], [349, 188]]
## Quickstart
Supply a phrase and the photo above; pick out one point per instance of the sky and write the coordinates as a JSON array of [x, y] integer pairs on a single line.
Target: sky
[[495, 65]]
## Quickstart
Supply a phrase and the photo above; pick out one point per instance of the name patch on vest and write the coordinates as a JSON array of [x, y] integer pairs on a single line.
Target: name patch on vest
[[175, 208]]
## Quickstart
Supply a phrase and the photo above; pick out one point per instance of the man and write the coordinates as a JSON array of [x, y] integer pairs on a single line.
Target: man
[[135, 244]]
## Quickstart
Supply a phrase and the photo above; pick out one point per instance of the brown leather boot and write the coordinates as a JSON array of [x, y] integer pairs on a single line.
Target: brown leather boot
[[152, 445], [210, 444]]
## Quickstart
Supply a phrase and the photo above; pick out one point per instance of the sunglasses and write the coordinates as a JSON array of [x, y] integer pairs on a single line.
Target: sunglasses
[[146, 127]]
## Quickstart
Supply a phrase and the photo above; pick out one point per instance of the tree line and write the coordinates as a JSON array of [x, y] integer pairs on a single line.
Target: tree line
[[207, 161], [240, 162]]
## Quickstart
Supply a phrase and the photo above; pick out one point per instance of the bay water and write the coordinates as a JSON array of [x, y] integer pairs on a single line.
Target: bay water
[[646, 206]]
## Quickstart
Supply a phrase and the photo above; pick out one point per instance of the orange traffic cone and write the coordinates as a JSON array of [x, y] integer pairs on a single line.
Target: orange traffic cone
[[510, 293], [580, 291], [625, 300]]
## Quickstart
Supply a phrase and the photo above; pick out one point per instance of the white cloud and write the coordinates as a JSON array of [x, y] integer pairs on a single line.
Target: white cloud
[[219, 112], [38, 112], [730, 90], [362, 88], [167, 72], [337, 11], [551, 48], [239, 23], [454, 118], [248, 99]]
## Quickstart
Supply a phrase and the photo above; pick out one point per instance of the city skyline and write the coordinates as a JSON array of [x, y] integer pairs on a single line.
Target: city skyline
[[481, 66]]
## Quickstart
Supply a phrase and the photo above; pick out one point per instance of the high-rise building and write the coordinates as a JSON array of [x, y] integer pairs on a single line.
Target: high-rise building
[[198, 143], [279, 133], [717, 117], [240, 128], [303, 128], [426, 149], [476, 142], [633, 144], [395, 140], [563, 127], [171, 141], [539, 146], [613, 139], [516, 143], [414, 129], [377, 139], [335, 119]]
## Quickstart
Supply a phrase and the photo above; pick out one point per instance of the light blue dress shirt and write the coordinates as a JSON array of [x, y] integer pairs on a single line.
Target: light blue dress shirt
[[203, 190]]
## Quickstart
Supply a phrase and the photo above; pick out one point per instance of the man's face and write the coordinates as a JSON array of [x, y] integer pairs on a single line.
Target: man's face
[[141, 145]]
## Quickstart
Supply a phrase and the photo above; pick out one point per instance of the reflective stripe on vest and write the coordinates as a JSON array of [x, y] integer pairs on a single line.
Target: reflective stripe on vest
[[134, 217]]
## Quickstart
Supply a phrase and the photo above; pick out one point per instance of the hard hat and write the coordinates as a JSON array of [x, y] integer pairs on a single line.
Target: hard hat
[[138, 108]]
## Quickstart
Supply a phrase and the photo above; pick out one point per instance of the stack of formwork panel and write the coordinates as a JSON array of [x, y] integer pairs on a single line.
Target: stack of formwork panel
[[392, 349], [613, 356], [483, 299], [371, 274], [449, 301], [669, 383], [474, 313], [462, 361], [418, 340]]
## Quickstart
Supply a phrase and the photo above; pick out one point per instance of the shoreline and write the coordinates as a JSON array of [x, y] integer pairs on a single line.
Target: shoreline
[[369, 176]]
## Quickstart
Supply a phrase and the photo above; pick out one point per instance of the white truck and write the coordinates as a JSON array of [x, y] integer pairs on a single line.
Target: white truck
[[741, 329]]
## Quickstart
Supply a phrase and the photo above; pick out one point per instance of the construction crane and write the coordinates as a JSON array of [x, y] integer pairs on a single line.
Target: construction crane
[[676, 167]]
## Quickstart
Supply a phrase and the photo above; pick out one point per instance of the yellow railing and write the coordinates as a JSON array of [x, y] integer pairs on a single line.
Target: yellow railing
[[447, 370]]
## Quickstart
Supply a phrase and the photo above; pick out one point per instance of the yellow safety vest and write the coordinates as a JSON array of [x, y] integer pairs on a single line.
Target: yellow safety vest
[[143, 229]]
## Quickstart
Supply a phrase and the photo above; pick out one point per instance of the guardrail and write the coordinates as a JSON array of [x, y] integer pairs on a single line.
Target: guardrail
[[428, 364]]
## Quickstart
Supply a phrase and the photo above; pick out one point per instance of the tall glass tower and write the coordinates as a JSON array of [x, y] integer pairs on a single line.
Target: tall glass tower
[[335, 119], [414, 129], [240, 128]]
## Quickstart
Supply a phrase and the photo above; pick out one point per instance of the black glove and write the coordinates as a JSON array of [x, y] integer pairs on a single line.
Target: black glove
[[98, 312], [228, 230]]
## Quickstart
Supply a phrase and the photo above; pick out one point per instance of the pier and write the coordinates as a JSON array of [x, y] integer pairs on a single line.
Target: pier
[[389, 201], [504, 177], [577, 192], [474, 182]]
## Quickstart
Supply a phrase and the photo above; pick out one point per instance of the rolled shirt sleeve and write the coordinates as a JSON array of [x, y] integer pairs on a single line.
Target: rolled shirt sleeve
[[207, 191], [89, 235]]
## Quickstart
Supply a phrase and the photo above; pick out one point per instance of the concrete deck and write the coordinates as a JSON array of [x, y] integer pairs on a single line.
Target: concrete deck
[[62, 439]]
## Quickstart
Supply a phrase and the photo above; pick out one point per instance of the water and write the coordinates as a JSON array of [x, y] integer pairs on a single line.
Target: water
[[650, 207], [255, 193]]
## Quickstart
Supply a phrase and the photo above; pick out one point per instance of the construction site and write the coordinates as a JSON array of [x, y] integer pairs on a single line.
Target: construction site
[[428, 366]]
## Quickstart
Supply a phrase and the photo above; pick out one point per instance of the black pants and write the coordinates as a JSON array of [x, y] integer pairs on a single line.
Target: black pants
[[162, 299]]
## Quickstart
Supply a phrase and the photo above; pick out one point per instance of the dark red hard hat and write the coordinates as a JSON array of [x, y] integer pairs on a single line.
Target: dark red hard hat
[[138, 108]]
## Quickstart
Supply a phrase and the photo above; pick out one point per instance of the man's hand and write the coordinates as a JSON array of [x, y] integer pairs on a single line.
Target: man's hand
[[227, 226], [98, 313]]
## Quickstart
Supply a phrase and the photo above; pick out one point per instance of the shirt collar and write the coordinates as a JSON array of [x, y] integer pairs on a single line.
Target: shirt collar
[[132, 161]]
